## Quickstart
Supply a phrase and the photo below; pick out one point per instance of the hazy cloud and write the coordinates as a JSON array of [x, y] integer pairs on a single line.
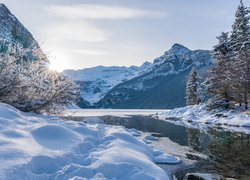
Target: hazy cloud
[[86, 33], [79, 32], [99, 11], [90, 52]]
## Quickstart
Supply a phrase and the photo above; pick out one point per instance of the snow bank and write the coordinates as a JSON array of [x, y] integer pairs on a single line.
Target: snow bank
[[199, 114], [42, 147]]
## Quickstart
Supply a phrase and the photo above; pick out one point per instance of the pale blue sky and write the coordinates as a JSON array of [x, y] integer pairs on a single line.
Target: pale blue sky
[[86, 33]]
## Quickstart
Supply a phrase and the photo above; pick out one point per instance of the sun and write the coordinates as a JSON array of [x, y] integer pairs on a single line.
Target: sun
[[59, 63]]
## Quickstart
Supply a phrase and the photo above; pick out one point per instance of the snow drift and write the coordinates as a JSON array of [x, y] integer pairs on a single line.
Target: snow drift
[[43, 147]]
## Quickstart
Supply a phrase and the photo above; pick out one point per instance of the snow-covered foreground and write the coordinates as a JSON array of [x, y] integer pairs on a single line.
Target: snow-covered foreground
[[42, 147], [233, 120]]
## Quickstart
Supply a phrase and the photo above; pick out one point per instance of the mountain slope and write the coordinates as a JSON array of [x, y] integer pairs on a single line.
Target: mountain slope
[[96, 82], [162, 85], [13, 32]]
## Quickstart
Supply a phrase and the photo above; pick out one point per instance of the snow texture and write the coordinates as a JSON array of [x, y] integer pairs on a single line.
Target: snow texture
[[45, 147], [234, 120]]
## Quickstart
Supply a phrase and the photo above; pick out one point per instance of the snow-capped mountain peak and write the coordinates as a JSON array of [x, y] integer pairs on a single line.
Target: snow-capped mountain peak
[[178, 49], [162, 82], [98, 82]]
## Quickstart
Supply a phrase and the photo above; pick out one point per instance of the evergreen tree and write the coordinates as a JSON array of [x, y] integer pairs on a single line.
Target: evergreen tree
[[240, 55], [192, 95], [240, 30], [242, 68], [218, 81], [229, 79]]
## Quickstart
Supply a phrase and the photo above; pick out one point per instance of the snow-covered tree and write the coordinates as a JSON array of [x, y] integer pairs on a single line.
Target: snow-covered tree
[[42, 90], [218, 81], [229, 80], [240, 30], [30, 86], [192, 94], [240, 55], [10, 69], [244, 75]]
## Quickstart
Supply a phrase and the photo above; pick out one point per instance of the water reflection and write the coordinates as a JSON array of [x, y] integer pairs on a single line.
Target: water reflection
[[197, 139], [174, 132], [229, 153]]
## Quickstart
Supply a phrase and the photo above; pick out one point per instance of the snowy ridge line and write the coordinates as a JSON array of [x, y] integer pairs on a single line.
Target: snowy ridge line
[[100, 80], [45, 147], [97, 82], [231, 120]]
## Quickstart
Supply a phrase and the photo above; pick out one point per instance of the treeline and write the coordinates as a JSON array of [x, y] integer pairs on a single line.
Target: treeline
[[27, 83], [228, 81]]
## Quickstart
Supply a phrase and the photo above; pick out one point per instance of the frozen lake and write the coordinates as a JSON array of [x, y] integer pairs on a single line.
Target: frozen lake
[[112, 112]]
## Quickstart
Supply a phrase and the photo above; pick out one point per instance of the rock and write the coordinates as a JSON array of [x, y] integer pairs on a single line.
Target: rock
[[201, 176]]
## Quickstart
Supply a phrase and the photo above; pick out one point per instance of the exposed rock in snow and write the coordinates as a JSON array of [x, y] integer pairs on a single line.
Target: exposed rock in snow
[[202, 176]]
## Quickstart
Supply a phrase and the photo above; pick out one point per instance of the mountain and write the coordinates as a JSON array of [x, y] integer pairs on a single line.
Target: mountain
[[157, 85], [96, 82], [162, 85], [14, 32]]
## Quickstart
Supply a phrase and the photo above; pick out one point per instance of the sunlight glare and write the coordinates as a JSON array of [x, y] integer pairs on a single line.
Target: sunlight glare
[[59, 63]]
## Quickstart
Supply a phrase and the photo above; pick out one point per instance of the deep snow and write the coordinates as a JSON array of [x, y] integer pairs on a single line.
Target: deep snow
[[44, 147]]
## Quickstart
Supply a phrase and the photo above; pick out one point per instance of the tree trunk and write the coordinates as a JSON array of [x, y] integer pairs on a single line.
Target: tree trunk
[[245, 101]]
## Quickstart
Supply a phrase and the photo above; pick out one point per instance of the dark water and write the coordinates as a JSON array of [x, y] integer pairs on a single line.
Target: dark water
[[228, 152]]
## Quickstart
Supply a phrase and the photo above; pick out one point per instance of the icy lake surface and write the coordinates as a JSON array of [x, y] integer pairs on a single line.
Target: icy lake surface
[[215, 150], [111, 112]]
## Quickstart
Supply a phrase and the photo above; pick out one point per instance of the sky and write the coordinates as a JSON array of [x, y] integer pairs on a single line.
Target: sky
[[79, 34]]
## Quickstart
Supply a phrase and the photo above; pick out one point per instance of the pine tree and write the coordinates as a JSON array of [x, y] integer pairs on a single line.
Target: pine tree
[[192, 95], [242, 65], [240, 30], [218, 81], [240, 55]]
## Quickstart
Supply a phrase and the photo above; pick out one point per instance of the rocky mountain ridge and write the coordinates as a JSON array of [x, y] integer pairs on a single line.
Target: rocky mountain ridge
[[160, 84], [14, 32]]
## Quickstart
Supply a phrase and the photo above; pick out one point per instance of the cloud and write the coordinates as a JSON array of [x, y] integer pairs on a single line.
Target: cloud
[[90, 52], [74, 35], [78, 32], [98, 11]]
